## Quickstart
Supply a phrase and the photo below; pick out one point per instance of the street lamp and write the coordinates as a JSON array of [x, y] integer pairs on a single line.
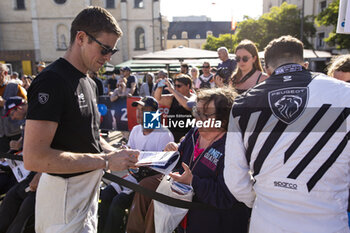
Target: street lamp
[[302, 20]]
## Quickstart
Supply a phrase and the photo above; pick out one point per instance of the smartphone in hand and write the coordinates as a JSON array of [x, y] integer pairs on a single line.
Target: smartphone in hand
[[161, 83]]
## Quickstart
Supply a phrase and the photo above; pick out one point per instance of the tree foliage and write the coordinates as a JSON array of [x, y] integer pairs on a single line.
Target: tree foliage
[[283, 20], [225, 40], [329, 17]]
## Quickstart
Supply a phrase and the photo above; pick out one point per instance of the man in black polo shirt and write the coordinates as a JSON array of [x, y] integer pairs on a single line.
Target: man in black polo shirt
[[62, 129]]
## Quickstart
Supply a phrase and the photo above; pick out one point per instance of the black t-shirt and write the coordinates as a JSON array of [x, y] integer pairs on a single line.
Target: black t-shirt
[[178, 113], [112, 83], [132, 79], [63, 94]]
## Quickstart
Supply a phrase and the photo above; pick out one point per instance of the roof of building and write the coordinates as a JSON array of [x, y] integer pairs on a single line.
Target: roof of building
[[199, 27]]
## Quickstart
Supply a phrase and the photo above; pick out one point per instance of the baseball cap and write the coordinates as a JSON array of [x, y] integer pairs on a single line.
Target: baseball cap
[[147, 101], [125, 68], [41, 64], [12, 103]]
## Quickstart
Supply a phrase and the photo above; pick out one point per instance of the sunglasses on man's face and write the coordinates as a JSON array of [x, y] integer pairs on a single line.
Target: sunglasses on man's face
[[244, 58], [105, 49], [178, 85], [206, 66]]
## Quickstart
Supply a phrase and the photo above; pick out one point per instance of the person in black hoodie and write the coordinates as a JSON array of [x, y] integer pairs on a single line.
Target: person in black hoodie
[[202, 155]]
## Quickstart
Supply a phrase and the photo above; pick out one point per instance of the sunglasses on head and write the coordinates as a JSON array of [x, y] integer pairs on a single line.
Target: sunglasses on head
[[105, 49], [244, 58]]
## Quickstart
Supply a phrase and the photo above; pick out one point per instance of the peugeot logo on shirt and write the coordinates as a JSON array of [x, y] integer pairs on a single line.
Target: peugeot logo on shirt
[[288, 104], [81, 97], [81, 100], [43, 98]]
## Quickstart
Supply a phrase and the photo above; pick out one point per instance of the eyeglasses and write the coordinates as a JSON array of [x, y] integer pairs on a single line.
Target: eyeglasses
[[200, 115], [178, 85], [105, 49], [244, 58]]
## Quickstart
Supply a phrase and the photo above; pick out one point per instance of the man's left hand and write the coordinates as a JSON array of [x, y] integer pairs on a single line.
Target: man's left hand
[[123, 159]]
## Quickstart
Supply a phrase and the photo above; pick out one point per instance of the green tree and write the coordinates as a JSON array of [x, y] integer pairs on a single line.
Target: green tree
[[225, 40], [286, 20], [329, 17], [251, 29], [283, 20]]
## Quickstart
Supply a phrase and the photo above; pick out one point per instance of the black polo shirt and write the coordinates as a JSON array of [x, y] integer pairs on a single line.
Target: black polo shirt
[[63, 94]]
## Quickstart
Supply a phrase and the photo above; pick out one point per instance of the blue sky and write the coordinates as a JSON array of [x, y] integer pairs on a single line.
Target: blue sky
[[217, 10]]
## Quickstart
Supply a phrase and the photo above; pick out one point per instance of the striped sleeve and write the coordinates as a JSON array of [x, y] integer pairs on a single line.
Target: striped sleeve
[[236, 170]]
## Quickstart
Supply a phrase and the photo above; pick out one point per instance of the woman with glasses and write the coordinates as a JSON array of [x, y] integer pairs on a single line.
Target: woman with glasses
[[249, 71], [202, 156]]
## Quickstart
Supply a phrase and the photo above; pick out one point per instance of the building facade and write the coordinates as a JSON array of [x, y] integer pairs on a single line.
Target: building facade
[[39, 30], [193, 34], [311, 7]]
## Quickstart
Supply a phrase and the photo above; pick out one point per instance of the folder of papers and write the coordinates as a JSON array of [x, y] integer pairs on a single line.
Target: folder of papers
[[163, 162]]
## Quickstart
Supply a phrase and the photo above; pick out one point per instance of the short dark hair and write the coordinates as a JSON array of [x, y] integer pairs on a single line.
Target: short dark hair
[[223, 100], [185, 79], [94, 20], [285, 48], [185, 65]]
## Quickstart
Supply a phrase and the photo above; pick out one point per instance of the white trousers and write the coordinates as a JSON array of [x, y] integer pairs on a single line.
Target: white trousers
[[67, 205]]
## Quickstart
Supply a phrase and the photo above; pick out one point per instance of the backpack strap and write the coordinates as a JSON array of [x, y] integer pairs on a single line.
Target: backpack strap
[[210, 78]]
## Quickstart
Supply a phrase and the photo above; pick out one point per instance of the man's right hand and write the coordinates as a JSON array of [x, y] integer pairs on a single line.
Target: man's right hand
[[123, 159]]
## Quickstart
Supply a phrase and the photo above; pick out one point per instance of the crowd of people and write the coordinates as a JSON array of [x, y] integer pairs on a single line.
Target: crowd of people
[[278, 161]]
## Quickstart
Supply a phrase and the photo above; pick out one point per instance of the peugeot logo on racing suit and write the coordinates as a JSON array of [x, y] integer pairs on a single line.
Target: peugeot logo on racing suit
[[288, 104]]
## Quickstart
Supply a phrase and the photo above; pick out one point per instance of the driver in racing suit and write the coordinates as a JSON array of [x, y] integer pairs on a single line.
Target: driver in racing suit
[[287, 147]]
